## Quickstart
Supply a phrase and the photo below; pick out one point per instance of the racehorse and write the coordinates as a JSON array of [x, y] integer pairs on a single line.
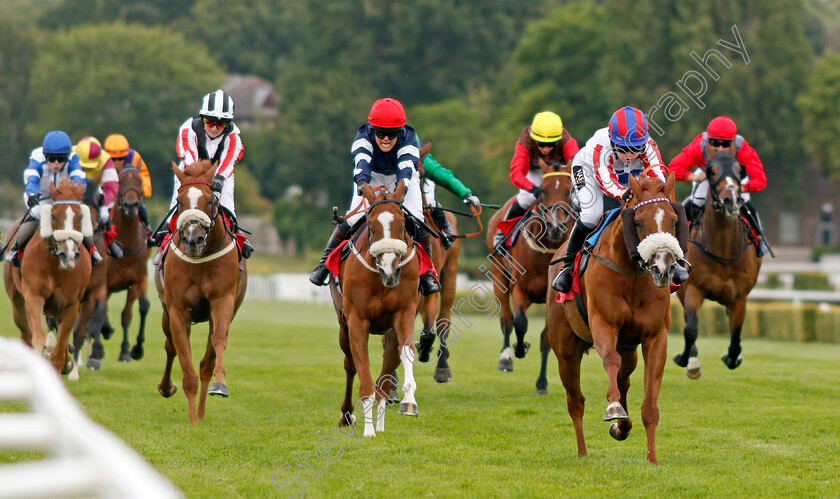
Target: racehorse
[[54, 272], [378, 295], [521, 275], [625, 307], [202, 279], [129, 272], [725, 266]]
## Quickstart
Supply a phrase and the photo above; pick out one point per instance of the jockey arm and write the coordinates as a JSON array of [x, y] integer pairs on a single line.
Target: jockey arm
[[137, 162], [519, 166], [570, 147], [32, 177], [604, 173], [231, 154], [186, 147], [690, 157], [444, 177], [110, 182], [754, 169]]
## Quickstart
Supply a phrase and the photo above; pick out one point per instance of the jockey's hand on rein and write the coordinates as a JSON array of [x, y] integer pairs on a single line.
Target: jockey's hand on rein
[[470, 199], [536, 191], [218, 183], [360, 188], [32, 201], [627, 195]]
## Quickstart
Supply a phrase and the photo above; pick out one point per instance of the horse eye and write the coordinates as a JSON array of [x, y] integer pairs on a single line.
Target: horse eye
[[637, 223]]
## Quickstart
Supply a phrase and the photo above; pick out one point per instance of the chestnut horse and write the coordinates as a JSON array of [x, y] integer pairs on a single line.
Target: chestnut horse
[[202, 279], [625, 307], [378, 296], [54, 272], [521, 274], [725, 263], [129, 272]]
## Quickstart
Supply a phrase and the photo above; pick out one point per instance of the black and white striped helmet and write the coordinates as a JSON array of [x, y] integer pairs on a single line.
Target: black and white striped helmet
[[217, 105]]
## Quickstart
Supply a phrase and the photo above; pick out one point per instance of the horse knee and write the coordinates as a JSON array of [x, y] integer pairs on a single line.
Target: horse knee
[[520, 322], [144, 305]]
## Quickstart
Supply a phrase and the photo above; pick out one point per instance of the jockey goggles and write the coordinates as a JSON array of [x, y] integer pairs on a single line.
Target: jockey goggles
[[546, 144], [213, 122], [56, 158], [720, 143], [387, 133], [630, 149]]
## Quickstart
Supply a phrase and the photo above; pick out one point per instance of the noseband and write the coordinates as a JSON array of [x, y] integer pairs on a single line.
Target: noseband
[[376, 248], [195, 216], [735, 187], [55, 237]]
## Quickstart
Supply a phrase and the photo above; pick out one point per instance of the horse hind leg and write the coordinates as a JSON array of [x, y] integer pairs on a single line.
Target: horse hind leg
[[137, 350], [520, 323], [733, 358], [166, 387], [688, 358], [347, 417], [125, 346]]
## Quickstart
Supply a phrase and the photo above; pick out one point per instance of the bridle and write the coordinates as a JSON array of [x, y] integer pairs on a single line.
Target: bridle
[[375, 249], [55, 237], [714, 192], [126, 190]]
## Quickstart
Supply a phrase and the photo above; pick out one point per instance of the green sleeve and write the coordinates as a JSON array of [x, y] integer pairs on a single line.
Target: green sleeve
[[443, 177]]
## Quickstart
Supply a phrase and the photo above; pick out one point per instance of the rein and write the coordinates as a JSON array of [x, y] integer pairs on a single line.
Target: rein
[[475, 215]]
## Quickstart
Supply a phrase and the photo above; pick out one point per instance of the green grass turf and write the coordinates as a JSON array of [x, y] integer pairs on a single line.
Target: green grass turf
[[766, 429]]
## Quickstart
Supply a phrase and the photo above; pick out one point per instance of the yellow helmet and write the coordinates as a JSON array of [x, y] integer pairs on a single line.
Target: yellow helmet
[[91, 155], [546, 127], [116, 145]]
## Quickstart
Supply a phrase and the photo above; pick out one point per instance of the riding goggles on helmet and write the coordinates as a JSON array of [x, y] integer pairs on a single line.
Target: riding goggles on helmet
[[720, 143], [56, 158], [213, 122], [630, 149], [389, 133]]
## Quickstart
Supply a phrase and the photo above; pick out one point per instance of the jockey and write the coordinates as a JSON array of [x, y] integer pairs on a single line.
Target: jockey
[[100, 170], [384, 152], [122, 155], [212, 135], [604, 165], [545, 139], [49, 164], [721, 135], [434, 174]]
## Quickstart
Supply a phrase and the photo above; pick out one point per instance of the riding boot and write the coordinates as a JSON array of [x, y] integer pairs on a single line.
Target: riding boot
[[95, 257], [115, 250], [749, 212], [428, 282], [144, 219], [682, 267], [515, 210], [692, 211], [24, 234], [563, 281], [446, 231], [247, 249], [319, 276], [157, 238]]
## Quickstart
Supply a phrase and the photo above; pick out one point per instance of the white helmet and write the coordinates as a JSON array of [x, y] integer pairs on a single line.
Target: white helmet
[[217, 105]]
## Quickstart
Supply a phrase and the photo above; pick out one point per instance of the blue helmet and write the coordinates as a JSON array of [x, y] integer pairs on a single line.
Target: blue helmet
[[628, 127], [57, 142]]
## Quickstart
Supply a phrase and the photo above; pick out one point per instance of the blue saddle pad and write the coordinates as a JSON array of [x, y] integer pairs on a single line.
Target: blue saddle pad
[[592, 240]]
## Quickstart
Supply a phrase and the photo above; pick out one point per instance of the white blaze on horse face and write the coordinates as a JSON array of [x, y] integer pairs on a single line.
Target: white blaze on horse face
[[68, 219], [660, 215], [387, 260], [194, 194]]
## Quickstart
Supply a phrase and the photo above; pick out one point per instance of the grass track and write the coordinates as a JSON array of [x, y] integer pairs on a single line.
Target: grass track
[[766, 429]]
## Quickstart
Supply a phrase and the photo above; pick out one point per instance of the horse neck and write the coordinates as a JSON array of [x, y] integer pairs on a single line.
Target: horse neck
[[613, 239], [720, 232], [129, 229]]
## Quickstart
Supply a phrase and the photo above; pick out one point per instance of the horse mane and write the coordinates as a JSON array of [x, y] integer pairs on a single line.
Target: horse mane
[[199, 169], [68, 190]]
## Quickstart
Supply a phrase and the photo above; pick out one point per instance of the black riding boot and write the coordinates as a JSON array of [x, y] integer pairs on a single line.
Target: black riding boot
[[446, 230], [692, 211], [515, 210], [24, 234], [319, 276], [428, 282], [95, 257], [563, 281], [115, 249], [749, 212]]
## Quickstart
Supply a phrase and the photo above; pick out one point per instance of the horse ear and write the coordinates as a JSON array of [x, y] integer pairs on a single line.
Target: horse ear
[[634, 186], [669, 185], [368, 193], [214, 169], [399, 193], [53, 190], [425, 150], [543, 165], [177, 171]]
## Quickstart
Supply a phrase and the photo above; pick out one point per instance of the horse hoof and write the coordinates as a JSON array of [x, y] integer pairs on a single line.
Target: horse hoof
[[693, 371], [93, 364], [408, 409], [393, 396], [521, 353], [167, 395], [680, 361], [347, 420], [125, 357], [615, 411], [541, 391], [505, 365], [616, 434], [107, 332], [422, 353], [219, 389], [732, 363], [68, 366], [137, 352], [443, 374]]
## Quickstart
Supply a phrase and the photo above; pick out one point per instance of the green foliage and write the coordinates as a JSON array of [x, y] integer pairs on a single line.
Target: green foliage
[[820, 105], [247, 195], [145, 82], [17, 50], [73, 13]]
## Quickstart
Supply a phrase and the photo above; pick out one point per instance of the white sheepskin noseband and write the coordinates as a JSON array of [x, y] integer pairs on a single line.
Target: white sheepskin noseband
[[193, 215], [46, 228], [659, 241], [388, 245]]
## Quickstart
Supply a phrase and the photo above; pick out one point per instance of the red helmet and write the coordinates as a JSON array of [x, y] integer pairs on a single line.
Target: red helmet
[[387, 113], [722, 128]]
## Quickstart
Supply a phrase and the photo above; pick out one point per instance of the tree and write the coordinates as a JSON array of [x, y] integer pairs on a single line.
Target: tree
[[820, 105], [17, 51], [144, 82]]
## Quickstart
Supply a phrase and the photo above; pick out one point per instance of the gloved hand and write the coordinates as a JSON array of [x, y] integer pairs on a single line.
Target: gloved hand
[[536, 191], [470, 199], [32, 201], [626, 195], [218, 183], [360, 188]]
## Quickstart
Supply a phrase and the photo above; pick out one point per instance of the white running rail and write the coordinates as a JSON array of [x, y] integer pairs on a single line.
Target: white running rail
[[83, 459]]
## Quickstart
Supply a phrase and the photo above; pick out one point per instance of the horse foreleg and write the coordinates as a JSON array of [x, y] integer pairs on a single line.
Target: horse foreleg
[[506, 322], [654, 350], [34, 310], [347, 418], [140, 292], [166, 387], [569, 350], [179, 325], [19, 316], [428, 310], [620, 429], [80, 332], [605, 337], [689, 356], [521, 302], [221, 315], [358, 330], [390, 361], [545, 348], [94, 330], [125, 322], [737, 311], [205, 371], [403, 323], [59, 357]]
